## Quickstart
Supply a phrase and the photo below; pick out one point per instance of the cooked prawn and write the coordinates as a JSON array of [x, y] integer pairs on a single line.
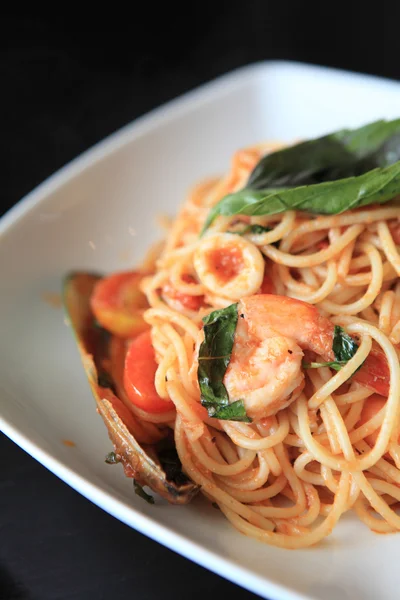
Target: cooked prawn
[[265, 367], [265, 370]]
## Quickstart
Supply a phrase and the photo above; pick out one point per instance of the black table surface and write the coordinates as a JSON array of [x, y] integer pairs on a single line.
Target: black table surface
[[67, 81]]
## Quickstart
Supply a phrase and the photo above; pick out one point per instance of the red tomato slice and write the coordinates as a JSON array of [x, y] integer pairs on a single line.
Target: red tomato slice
[[374, 373], [139, 372], [118, 303]]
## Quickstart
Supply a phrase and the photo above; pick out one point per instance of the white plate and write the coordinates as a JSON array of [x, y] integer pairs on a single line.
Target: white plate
[[99, 213]]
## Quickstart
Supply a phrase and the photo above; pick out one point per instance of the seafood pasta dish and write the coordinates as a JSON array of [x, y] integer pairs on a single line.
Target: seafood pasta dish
[[254, 356]]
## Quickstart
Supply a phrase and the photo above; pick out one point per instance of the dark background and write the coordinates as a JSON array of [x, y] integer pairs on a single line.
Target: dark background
[[66, 81]]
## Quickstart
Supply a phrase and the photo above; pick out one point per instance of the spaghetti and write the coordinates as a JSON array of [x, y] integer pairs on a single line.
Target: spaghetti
[[321, 442]]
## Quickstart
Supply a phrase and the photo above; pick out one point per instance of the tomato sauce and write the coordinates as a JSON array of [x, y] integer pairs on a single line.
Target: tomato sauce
[[225, 263]]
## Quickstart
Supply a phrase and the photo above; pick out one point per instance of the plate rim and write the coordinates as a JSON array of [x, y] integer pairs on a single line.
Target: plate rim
[[186, 102], [151, 119]]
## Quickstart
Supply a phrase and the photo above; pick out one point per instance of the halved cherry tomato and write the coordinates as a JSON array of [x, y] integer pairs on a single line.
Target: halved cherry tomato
[[374, 373], [118, 303], [186, 300], [139, 372]]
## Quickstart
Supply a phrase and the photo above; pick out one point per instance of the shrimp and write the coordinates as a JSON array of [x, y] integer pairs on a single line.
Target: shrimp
[[265, 369]]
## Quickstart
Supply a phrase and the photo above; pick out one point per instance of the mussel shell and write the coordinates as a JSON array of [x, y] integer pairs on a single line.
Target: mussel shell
[[142, 462]]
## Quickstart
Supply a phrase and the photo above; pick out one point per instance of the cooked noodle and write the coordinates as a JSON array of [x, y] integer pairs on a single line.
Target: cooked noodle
[[288, 478]]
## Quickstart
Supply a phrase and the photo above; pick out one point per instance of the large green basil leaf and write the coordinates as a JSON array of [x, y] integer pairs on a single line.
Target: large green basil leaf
[[214, 356], [328, 175]]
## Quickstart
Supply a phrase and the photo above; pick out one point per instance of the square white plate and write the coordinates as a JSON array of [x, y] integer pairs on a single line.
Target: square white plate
[[99, 213]]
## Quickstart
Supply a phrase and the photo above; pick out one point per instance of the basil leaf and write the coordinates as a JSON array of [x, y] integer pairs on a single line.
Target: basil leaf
[[233, 204], [329, 198], [215, 353], [344, 153], [112, 458], [234, 411], [290, 178], [344, 347], [335, 364], [214, 356], [139, 491], [256, 229]]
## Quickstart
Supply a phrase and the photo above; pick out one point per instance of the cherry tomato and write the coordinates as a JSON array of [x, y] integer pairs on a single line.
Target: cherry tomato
[[118, 303], [139, 372]]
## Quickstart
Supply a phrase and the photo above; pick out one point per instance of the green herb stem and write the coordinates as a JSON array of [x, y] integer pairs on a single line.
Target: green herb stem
[[139, 491]]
